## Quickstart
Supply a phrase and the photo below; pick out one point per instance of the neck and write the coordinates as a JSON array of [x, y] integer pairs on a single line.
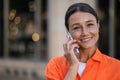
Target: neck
[[85, 54]]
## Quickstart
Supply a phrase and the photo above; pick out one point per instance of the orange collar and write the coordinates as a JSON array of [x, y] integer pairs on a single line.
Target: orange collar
[[97, 56]]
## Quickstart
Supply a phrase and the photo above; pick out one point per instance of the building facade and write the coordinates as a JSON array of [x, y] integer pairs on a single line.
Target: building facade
[[33, 31]]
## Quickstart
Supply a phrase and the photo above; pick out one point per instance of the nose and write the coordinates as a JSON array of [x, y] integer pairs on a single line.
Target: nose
[[84, 31]]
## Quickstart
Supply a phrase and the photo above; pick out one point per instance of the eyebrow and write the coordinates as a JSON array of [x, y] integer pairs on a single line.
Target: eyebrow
[[90, 21], [86, 22]]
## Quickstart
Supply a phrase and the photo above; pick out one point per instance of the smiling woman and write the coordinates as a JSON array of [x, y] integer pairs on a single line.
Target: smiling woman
[[84, 29], [90, 64]]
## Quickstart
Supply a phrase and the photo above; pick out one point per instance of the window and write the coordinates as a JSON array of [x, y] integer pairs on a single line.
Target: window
[[117, 7], [1, 28], [109, 34], [27, 29], [103, 13]]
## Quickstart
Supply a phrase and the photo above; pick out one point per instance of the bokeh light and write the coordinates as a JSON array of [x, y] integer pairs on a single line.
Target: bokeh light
[[12, 14], [35, 37], [17, 20]]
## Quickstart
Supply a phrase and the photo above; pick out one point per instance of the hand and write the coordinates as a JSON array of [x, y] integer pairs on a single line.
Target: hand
[[70, 54]]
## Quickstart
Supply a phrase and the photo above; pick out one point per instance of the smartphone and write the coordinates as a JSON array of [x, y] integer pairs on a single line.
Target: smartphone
[[70, 36]]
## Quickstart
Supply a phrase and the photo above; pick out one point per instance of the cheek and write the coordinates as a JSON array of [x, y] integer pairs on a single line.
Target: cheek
[[76, 35], [95, 31], [96, 36]]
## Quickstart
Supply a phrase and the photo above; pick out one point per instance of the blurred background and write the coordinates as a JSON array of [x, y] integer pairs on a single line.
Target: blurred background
[[33, 31]]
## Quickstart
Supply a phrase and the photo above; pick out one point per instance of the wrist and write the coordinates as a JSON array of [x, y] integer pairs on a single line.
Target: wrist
[[75, 65]]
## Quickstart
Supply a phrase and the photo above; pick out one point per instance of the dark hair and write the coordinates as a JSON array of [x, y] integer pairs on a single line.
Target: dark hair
[[83, 7]]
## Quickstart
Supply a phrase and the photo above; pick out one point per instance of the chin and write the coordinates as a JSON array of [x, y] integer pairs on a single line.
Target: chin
[[88, 46]]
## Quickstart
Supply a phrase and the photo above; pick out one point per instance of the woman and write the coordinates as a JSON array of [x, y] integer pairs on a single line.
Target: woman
[[89, 64]]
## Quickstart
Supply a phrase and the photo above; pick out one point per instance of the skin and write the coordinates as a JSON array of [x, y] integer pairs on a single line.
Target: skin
[[85, 31]]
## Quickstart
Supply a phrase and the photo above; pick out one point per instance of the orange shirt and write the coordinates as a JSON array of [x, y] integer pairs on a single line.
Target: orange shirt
[[99, 67]]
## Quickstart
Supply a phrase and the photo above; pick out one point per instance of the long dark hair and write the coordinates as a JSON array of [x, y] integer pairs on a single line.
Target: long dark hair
[[79, 7]]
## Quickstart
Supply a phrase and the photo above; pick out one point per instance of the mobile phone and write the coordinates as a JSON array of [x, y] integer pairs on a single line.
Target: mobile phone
[[70, 36]]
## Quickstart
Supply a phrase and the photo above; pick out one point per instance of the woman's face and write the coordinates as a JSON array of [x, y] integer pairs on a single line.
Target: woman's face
[[84, 28]]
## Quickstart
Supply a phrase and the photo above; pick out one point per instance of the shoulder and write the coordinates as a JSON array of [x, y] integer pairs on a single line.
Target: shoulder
[[57, 67], [111, 66], [59, 61], [111, 61]]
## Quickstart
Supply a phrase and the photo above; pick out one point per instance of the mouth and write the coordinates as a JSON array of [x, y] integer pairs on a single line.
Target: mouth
[[84, 40]]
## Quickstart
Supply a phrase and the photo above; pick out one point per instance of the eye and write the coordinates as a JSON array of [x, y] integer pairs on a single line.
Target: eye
[[90, 24], [76, 28]]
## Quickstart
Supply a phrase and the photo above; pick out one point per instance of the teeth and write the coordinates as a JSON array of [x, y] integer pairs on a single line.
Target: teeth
[[85, 40]]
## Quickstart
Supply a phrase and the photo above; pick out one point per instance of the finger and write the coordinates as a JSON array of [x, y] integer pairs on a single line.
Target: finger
[[68, 38], [72, 48], [69, 43]]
